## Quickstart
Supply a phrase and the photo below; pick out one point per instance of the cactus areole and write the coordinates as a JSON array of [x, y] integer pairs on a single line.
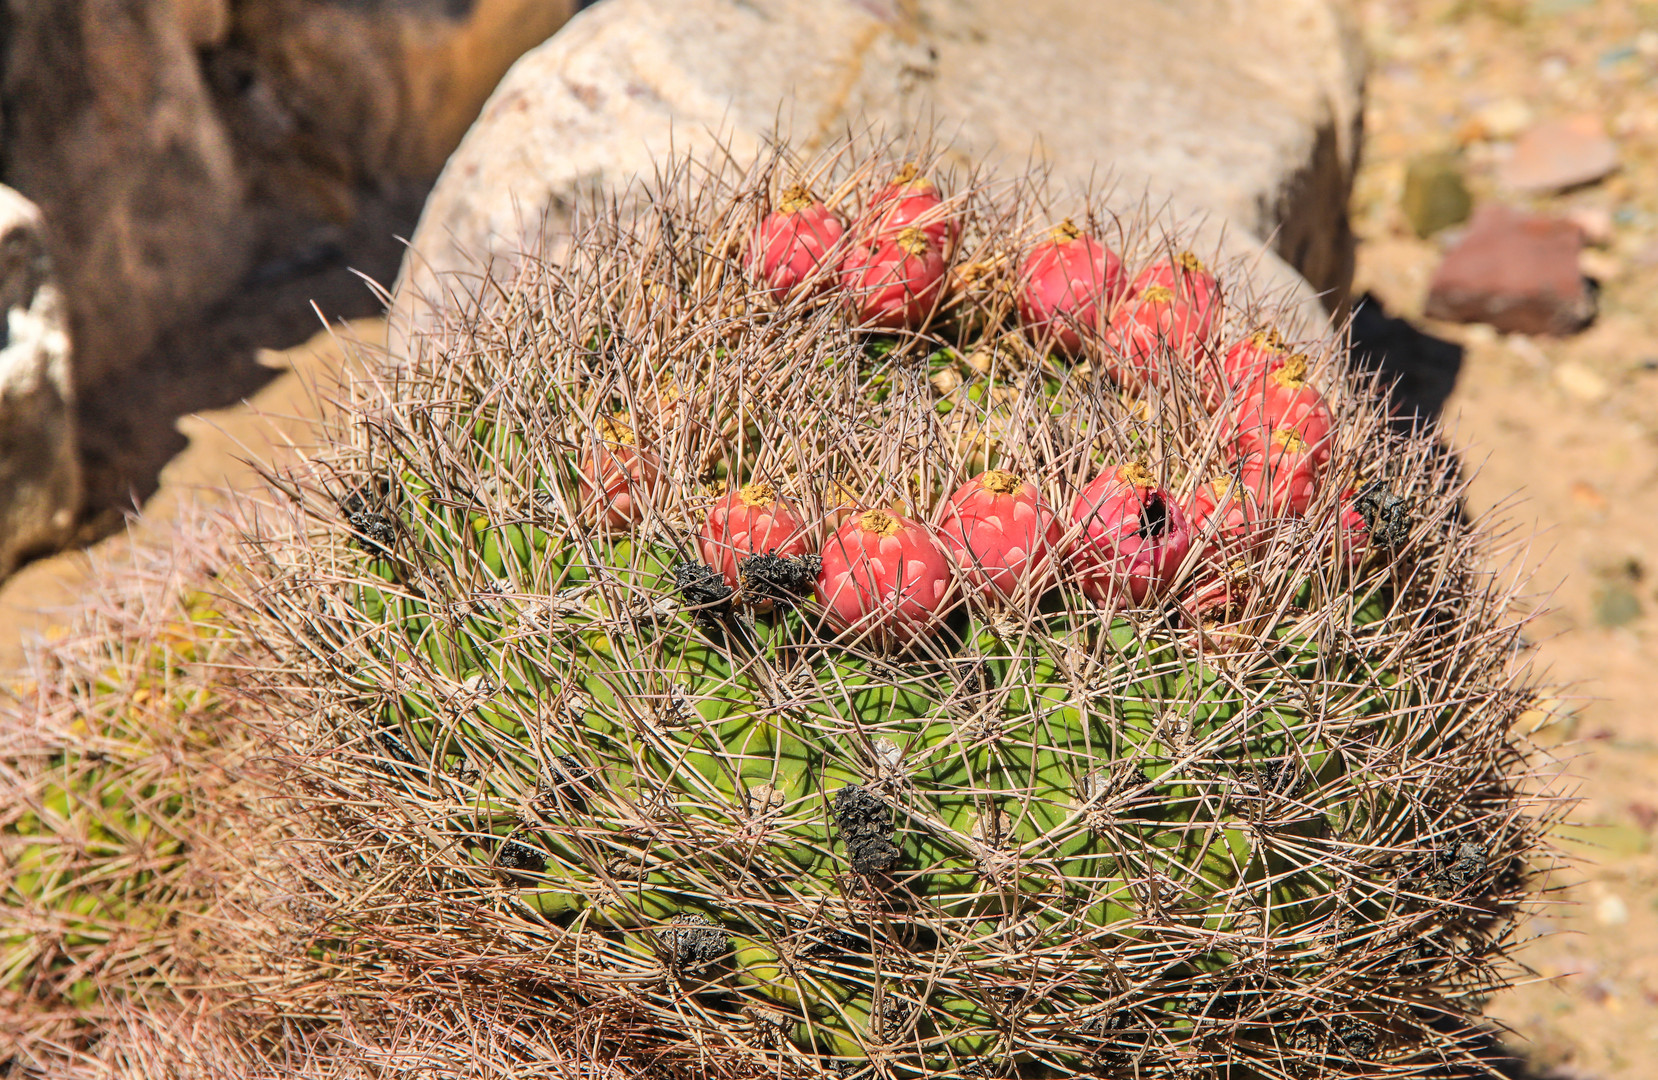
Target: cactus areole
[[910, 700]]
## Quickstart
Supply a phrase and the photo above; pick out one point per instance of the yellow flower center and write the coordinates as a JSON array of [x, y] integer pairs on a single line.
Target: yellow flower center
[[796, 197], [1065, 232], [1000, 482], [1290, 439], [1293, 375], [758, 493], [878, 521], [913, 240], [1135, 474]]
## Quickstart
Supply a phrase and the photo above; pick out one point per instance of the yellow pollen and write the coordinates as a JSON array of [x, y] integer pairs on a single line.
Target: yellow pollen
[[758, 493], [1221, 485], [1135, 474], [796, 197], [1293, 375], [1190, 263], [1267, 339], [615, 429], [1157, 294], [913, 240], [1290, 439], [907, 173], [1000, 482], [1065, 232], [878, 521]]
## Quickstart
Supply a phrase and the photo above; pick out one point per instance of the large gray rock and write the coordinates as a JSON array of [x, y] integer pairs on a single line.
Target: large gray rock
[[39, 471], [1240, 112]]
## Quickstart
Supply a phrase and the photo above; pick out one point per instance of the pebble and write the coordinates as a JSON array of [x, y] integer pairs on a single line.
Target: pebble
[[1616, 605], [1600, 266], [1610, 910], [1516, 271], [1504, 118], [1559, 154], [1581, 383], [1595, 222], [1435, 196]]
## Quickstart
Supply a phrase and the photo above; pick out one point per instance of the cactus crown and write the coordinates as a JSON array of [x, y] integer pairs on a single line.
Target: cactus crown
[[1255, 820]]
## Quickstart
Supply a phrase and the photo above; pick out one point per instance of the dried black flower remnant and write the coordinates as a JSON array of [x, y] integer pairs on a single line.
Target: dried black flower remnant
[[865, 823], [694, 942], [363, 510], [704, 589], [1455, 869], [1385, 514], [778, 578], [518, 861]]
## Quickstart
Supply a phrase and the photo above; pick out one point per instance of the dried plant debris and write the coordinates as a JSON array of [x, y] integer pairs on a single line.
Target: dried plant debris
[[1020, 636]]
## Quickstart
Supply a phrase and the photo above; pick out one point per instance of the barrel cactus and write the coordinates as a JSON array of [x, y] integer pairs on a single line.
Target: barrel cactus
[[899, 776]]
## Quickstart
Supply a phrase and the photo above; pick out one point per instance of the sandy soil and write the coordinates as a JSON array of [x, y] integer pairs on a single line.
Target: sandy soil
[[1571, 426]]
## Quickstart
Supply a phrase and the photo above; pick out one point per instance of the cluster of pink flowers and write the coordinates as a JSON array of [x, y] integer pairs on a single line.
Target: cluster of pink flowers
[[995, 539], [1126, 538], [893, 268]]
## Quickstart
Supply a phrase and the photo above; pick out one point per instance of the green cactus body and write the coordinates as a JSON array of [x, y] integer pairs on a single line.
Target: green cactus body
[[1055, 837]]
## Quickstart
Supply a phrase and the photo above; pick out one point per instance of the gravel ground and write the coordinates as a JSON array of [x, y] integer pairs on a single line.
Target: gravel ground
[[1564, 433]]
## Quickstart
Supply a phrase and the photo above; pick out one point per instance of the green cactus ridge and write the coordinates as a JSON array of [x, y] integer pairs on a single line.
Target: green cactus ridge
[[1047, 838]]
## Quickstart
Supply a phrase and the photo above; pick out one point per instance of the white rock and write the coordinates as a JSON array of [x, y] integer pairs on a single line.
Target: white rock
[[40, 481], [1238, 113]]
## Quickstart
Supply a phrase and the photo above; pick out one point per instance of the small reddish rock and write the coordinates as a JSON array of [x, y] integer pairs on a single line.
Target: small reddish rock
[[1559, 154], [1516, 271]]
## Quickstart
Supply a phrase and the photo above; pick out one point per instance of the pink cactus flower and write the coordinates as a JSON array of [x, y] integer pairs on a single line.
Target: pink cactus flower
[[883, 574], [1134, 537], [1001, 534], [894, 283], [1071, 283], [752, 520], [789, 247]]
